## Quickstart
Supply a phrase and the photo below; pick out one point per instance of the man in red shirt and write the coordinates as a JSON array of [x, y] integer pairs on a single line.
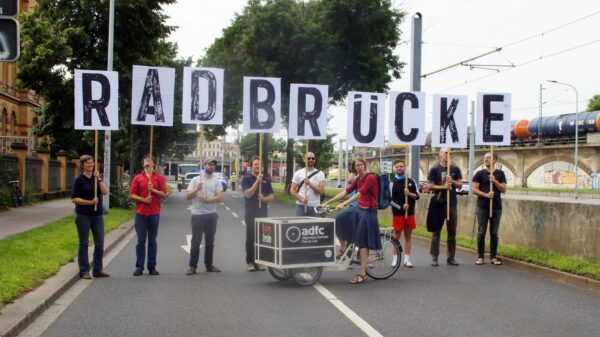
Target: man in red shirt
[[147, 188]]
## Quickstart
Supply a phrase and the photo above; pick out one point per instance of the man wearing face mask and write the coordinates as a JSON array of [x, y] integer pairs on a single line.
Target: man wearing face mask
[[206, 192]]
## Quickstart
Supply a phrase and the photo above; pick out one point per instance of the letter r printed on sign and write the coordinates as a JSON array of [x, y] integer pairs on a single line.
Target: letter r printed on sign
[[96, 100]]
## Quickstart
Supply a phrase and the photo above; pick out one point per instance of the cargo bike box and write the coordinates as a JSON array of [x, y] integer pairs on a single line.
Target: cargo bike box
[[295, 242]]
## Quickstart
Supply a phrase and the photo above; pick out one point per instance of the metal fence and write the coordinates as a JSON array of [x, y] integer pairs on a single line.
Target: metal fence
[[33, 175], [70, 176], [10, 164], [53, 176]]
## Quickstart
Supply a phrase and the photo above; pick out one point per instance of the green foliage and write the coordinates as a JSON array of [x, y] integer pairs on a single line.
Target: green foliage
[[346, 44], [119, 197], [60, 36], [28, 258], [6, 194], [594, 103]]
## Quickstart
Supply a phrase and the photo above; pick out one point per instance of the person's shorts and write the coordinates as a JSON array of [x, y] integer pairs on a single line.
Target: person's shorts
[[400, 223]]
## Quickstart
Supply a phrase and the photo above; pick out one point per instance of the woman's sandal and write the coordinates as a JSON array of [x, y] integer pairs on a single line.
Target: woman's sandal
[[479, 262], [358, 278], [496, 262]]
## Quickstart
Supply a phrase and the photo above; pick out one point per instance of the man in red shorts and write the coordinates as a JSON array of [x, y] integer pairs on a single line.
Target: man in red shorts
[[403, 208]]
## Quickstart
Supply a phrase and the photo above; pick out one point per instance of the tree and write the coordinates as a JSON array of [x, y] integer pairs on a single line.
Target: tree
[[59, 36], [594, 103], [346, 44]]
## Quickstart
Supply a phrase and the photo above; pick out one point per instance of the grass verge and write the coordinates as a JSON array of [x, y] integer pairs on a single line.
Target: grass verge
[[586, 268], [28, 258]]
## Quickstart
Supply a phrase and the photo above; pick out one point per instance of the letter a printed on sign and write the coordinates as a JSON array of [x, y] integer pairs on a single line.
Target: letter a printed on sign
[[407, 118], [308, 111], [449, 121], [365, 119], [262, 104], [96, 100], [153, 95], [202, 96], [493, 119]]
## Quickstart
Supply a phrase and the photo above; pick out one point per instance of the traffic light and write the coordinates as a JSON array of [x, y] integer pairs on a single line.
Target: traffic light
[[9, 31]]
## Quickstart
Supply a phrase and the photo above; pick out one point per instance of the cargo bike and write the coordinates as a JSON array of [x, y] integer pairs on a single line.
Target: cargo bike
[[299, 248]]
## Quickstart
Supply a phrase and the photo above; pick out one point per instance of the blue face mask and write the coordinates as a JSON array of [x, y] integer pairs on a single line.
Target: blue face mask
[[399, 177]]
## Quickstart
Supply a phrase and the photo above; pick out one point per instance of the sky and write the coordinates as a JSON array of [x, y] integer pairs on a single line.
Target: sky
[[540, 39]]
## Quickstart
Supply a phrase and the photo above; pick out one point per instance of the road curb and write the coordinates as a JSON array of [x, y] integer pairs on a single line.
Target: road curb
[[555, 275], [24, 310]]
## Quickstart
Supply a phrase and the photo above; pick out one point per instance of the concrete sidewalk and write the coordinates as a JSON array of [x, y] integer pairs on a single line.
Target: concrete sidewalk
[[21, 219]]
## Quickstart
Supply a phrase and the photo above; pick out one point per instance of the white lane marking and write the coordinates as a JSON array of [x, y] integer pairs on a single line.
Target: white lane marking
[[243, 223], [235, 215], [187, 248], [352, 316], [227, 208], [47, 318], [222, 204]]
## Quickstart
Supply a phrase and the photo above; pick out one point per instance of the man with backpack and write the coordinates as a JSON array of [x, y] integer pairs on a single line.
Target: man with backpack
[[404, 197], [308, 184]]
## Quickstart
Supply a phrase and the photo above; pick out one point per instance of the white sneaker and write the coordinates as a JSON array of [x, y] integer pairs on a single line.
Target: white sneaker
[[408, 264], [394, 260]]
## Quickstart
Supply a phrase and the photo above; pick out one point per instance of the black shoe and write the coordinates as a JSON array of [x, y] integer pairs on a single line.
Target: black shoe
[[85, 276], [101, 274], [212, 269], [153, 271], [434, 261], [452, 262], [138, 272]]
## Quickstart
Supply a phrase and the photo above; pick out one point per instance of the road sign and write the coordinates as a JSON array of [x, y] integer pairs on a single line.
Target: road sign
[[9, 40], [9, 7]]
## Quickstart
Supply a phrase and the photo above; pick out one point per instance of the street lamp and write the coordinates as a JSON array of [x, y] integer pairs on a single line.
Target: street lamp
[[576, 128]]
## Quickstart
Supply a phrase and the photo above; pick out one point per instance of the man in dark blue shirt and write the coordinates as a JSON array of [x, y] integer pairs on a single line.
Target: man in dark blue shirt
[[481, 187], [252, 195]]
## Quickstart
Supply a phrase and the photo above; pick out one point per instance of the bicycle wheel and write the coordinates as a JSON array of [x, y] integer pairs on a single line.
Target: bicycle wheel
[[306, 276], [280, 274], [380, 261]]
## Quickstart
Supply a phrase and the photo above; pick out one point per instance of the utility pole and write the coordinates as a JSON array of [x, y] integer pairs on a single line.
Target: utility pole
[[415, 82], [539, 122], [109, 67]]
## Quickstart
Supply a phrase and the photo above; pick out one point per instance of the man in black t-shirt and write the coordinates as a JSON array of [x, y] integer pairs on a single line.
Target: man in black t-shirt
[[481, 187], [250, 185], [440, 183]]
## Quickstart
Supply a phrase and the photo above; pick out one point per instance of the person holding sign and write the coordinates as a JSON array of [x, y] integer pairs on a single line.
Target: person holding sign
[[206, 192], [440, 182], [147, 188], [359, 224], [88, 216], [308, 184], [403, 202], [252, 196], [481, 187]]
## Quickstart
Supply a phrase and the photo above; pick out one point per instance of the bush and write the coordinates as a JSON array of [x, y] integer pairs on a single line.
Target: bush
[[6, 194], [119, 196]]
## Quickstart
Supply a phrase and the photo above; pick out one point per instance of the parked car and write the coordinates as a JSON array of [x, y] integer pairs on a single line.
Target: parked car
[[464, 190], [219, 176], [424, 187], [184, 181]]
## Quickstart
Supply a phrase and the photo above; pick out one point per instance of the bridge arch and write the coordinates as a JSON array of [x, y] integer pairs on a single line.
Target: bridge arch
[[554, 158]]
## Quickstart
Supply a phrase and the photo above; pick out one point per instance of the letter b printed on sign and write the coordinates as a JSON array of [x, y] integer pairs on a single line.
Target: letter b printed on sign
[[262, 104], [96, 100]]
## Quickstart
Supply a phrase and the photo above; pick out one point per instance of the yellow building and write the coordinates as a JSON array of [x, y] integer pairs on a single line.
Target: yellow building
[[18, 107]]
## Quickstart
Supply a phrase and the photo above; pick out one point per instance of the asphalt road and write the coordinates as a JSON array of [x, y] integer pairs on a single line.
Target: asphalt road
[[467, 300]]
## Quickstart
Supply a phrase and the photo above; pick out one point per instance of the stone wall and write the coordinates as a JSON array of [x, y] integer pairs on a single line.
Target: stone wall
[[571, 229]]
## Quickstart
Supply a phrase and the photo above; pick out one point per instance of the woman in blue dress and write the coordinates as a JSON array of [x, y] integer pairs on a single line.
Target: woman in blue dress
[[359, 224]]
